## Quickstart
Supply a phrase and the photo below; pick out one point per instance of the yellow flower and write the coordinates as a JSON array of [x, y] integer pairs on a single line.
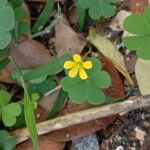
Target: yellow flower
[[78, 65]]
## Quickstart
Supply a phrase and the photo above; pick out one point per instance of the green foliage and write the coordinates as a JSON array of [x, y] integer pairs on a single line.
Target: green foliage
[[7, 141], [43, 18], [22, 27], [50, 68], [43, 87], [81, 14], [8, 111], [16, 3], [98, 8], [30, 118], [139, 26], [7, 21], [62, 96], [4, 63], [88, 90]]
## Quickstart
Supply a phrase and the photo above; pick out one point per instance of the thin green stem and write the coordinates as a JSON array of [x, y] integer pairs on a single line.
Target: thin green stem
[[49, 28], [53, 90]]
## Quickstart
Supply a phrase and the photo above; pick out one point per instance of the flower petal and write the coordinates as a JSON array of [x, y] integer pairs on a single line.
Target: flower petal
[[87, 64], [82, 74], [69, 64], [73, 72], [77, 58]]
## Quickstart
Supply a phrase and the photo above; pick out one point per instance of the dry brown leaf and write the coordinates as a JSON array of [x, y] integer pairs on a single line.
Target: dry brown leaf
[[45, 143], [109, 50], [76, 131], [117, 22], [138, 5], [30, 54], [142, 72], [66, 39]]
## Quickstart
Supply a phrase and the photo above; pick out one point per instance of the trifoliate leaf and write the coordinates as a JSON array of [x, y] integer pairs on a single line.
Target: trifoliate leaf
[[7, 141], [98, 8], [3, 3], [139, 26], [5, 38], [88, 90], [8, 112], [7, 21], [4, 98]]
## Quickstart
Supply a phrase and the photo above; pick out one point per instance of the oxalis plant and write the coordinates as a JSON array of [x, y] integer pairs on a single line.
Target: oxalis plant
[[138, 25]]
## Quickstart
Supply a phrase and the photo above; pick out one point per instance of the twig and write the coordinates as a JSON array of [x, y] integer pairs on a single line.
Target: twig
[[84, 116]]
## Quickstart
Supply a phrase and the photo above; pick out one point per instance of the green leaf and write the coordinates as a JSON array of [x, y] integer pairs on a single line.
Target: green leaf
[[7, 141], [95, 96], [24, 28], [7, 21], [5, 38], [30, 119], [50, 68], [4, 98], [3, 3], [99, 8], [139, 25], [7, 18], [20, 14], [43, 18], [88, 90], [16, 3], [43, 87], [9, 113], [81, 13], [4, 63], [62, 96]]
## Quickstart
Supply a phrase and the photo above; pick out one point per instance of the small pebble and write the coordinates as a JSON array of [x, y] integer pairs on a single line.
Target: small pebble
[[89, 142], [120, 148]]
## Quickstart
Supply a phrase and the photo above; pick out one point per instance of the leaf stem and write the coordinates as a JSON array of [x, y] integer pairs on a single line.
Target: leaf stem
[[49, 28], [53, 90]]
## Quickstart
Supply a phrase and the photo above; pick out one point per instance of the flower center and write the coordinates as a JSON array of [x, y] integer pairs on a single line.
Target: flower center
[[79, 65]]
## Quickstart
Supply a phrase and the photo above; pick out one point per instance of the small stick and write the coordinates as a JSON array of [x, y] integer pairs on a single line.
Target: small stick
[[84, 116]]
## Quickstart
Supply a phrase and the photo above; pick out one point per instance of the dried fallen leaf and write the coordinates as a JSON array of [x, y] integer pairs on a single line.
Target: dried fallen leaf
[[45, 143], [76, 131], [138, 5], [117, 22], [30, 54], [142, 71], [66, 39], [109, 50]]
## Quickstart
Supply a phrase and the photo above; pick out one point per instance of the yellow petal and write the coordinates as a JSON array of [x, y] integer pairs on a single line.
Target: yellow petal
[[87, 64], [73, 72], [69, 64], [77, 58], [82, 74]]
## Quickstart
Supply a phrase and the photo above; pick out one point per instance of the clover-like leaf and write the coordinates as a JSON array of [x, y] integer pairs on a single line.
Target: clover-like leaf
[[8, 112], [90, 89], [99, 8], [7, 21], [139, 26], [7, 141]]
